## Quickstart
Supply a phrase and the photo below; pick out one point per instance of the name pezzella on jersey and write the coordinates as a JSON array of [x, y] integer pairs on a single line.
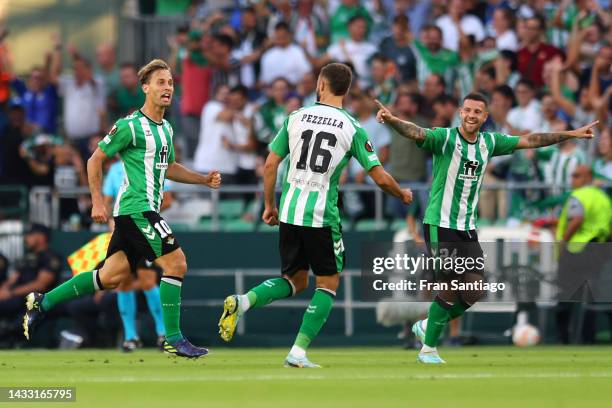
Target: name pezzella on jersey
[[322, 120]]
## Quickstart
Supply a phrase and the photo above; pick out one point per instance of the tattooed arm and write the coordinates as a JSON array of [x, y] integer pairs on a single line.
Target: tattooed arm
[[407, 129], [540, 139]]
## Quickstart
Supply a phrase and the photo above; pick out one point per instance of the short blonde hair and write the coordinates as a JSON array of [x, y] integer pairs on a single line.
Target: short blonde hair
[[144, 74]]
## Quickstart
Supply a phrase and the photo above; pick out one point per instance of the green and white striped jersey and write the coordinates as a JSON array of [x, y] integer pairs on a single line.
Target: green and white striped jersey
[[320, 140], [458, 169], [562, 165], [145, 148]]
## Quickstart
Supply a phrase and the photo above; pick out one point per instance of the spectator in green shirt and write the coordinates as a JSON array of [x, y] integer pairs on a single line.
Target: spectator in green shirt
[[271, 114], [128, 96], [106, 66], [340, 18], [383, 82], [432, 58]]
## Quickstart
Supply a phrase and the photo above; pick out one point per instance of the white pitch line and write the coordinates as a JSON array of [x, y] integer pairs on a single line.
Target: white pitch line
[[438, 376]]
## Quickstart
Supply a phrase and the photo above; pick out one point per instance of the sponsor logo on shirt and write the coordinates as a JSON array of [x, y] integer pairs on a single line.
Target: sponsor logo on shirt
[[163, 158], [469, 170]]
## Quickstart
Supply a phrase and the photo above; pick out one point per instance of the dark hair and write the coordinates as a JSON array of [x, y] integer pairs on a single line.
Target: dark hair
[[240, 89], [432, 27], [415, 97], [281, 25], [282, 79], [527, 82], [508, 15], [401, 20], [129, 65], [379, 57], [477, 96], [338, 76], [225, 40], [505, 91], [355, 18], [471, 38], [82, 59], [441, 79], [545, 94], [446, 98], [488, 70], [511, 55], [144, 74], [541, 20], [359, 95]]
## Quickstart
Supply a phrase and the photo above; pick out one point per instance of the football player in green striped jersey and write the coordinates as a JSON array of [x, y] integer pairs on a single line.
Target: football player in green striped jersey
[[144, 143], [460, 157], [319, 141]]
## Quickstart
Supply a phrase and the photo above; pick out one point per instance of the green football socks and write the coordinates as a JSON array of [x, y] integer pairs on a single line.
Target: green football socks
[[315, 317], [436, 322], [170, 296], [269, 291], [84, 283]]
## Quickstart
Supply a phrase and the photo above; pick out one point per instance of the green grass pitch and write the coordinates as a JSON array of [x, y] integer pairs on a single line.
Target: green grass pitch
[[352, 377]]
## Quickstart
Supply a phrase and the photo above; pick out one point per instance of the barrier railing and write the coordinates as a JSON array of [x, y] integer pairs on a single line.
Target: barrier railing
[[45, 202]]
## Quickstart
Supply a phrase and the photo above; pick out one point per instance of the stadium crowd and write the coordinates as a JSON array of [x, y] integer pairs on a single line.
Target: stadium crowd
[[241, 66]]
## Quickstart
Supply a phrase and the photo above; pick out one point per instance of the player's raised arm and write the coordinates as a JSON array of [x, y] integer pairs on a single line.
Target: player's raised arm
[[407, 129], [541, 139], [181, 174], [94, 176]]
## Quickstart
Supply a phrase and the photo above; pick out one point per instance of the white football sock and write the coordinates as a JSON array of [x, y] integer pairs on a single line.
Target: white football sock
[[297, 352], [243, 303], [427, 349], [424, 324]]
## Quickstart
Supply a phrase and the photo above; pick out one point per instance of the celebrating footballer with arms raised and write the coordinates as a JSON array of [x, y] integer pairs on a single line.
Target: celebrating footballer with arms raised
[[460, 157], [144, 143]]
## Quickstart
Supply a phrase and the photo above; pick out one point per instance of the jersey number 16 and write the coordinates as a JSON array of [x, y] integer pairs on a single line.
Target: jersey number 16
[[320, 157]]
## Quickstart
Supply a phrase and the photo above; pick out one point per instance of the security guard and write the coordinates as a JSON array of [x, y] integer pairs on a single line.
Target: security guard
[[39, 270], [584, 222]]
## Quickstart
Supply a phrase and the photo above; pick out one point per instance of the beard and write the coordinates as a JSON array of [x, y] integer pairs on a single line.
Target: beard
[[164, 103]]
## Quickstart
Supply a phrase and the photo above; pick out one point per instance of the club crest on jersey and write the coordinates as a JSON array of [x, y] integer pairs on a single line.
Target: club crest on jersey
[[469, 170], [111, 132], [163, 158], [369, 147]]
